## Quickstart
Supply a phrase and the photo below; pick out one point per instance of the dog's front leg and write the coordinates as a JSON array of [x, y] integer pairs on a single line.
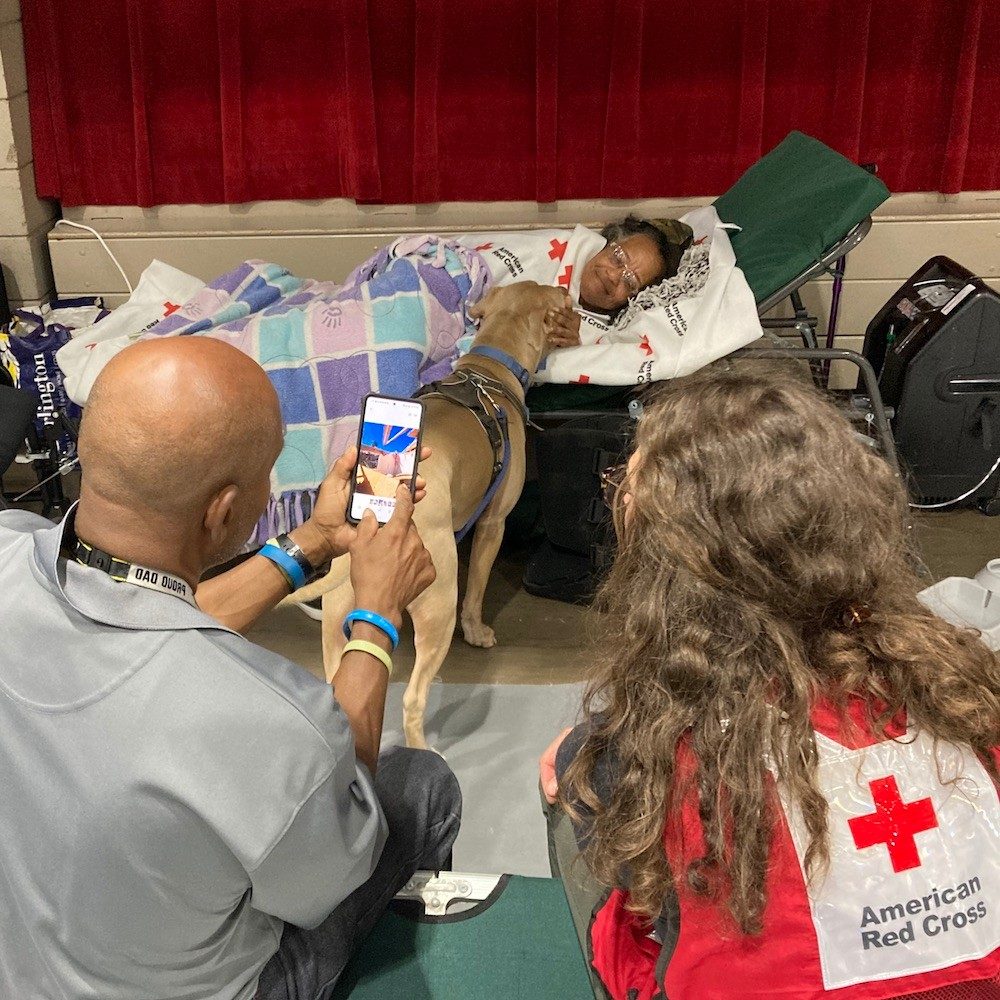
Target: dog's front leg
[[485, 546]]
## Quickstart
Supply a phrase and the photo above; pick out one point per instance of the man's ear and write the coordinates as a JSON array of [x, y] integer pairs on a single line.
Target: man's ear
[[219, 513]]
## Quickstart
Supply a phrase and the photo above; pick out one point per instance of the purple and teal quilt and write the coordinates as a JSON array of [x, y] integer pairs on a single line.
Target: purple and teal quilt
[[398, 322]]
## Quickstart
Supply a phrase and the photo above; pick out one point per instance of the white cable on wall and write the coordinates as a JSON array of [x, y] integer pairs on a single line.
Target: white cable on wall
[[964, 496], [100, 239]]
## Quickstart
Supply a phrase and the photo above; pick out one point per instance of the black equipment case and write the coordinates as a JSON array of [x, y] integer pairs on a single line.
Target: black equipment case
[[935, 346], [579, 536]]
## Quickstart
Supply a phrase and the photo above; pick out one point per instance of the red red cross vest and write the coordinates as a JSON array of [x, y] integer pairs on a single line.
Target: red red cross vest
[[911, 903]]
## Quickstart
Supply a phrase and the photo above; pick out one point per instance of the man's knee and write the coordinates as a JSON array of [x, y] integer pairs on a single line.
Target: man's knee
[[417, 780]]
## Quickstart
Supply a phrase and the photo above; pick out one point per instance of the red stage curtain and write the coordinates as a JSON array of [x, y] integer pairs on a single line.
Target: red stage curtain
[[424, 100]]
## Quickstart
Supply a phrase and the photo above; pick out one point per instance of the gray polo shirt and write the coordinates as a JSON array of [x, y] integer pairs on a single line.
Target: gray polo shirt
[[170, 793]]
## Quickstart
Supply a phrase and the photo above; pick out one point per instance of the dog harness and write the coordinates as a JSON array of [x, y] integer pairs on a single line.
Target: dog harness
[[478, 394]]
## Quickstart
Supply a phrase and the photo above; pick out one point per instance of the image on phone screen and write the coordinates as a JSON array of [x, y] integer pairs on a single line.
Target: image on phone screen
[[387, 455]]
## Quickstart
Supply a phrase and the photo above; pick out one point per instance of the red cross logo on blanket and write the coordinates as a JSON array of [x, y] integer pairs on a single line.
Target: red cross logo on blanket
[[643, 345], [169, 308], [564, 278], [582, 380], [485, 246], [894, 823], [558, 249]]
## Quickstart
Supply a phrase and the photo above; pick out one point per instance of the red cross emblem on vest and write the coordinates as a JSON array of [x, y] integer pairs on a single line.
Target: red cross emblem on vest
[[644, 345], [485, 246], [169, 308], [894, 823], [582, 380], [564, 278], [558, 249]]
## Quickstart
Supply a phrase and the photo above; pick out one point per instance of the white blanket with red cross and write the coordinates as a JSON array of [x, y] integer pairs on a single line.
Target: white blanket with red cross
[[668, 330]]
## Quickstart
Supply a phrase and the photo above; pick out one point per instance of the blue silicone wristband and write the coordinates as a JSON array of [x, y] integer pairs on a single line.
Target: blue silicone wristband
[[286, 563], [383, 624]]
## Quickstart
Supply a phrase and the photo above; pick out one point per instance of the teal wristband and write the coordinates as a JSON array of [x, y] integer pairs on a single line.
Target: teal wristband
[[382, 624], [284, 562]]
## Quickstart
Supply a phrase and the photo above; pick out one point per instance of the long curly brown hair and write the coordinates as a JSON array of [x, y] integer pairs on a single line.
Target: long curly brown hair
[[759, 525]]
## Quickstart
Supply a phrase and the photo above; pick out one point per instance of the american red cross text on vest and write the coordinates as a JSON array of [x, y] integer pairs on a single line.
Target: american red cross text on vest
[[558, 249], [565, 277], [894, 823], [169, 308]]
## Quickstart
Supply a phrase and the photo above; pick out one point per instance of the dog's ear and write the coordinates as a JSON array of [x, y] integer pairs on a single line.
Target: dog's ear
[[482, 307]]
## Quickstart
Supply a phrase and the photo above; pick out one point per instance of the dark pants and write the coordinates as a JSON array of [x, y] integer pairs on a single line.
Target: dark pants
[[423, 806]]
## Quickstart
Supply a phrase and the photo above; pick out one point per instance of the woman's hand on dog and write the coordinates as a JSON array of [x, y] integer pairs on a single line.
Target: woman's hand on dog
[[390, 567], [329, 516], [562, 326]]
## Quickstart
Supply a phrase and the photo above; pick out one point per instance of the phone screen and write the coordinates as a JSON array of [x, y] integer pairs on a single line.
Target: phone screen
[[388, 447]]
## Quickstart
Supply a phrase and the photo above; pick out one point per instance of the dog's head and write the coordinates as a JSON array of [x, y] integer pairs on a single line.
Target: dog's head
[[511, 318]]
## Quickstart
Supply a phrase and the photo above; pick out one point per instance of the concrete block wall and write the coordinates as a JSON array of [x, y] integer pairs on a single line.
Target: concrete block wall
[[25, 219]]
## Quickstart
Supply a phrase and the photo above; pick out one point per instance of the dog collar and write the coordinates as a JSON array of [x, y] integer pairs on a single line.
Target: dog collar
[[126, 572], [514, 367]]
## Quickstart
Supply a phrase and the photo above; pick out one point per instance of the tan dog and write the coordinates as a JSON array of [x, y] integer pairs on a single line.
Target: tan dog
[[458, 476]]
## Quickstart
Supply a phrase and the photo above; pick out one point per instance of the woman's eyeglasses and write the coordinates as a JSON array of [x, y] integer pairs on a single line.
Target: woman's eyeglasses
[[612, 480], [629, 277]]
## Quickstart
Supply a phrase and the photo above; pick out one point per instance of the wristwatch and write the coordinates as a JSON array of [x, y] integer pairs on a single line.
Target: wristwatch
[[293, 551]]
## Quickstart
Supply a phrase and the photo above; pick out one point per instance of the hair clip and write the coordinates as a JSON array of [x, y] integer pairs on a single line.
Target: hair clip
[[856, 614]]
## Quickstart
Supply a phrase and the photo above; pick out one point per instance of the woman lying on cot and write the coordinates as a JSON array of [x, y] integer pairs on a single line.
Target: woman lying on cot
[[789, 768], [600, 271]]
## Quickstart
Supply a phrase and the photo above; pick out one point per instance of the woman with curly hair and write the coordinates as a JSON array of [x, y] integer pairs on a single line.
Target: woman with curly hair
[[788, 773]]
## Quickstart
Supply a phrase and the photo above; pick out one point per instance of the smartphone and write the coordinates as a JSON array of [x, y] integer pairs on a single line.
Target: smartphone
[[388, 452]]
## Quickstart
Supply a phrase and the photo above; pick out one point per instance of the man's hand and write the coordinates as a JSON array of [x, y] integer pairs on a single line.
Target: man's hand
[[562, 326], [547, 768], [328, 534], [390, 568]]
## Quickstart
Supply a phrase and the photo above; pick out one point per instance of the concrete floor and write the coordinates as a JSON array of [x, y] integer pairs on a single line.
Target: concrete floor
[[545, 642], [538, 641]]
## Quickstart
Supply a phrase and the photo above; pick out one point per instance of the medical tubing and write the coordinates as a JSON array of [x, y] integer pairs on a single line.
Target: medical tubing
[[363, 646], [382, 624], [292, 570], [100, 239], [964, 496]]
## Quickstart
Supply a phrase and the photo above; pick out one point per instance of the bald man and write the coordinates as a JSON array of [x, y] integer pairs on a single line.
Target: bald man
[[182, 813]]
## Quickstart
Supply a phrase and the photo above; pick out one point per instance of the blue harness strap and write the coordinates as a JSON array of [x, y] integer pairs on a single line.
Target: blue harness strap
[[494, 486]]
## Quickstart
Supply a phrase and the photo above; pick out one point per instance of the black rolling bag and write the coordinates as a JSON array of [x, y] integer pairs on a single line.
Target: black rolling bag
[[579, 535]]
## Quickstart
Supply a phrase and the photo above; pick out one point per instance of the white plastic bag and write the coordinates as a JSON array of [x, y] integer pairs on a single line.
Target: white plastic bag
[[161, 290]]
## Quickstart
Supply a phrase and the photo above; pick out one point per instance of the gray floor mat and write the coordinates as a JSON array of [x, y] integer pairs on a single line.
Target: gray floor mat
[[492, 736]]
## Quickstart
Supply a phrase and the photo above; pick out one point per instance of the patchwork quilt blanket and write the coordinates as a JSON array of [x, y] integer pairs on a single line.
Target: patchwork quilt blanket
[[398, 322]]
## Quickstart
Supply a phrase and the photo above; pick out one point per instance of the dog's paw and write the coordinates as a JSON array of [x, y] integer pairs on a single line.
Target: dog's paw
[[478, 634]]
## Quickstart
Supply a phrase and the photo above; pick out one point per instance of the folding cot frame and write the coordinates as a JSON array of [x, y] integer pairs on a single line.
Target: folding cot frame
[[791, 209], [866, 404]]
